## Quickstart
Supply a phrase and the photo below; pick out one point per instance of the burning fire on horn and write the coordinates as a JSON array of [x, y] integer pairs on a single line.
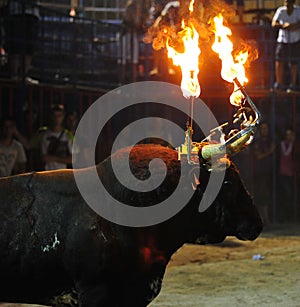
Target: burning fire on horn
[[232, 67], [183, 48], [188, 59]]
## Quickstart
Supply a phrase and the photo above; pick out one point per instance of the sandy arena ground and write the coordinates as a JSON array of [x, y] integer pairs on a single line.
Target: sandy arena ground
[[226, 274]]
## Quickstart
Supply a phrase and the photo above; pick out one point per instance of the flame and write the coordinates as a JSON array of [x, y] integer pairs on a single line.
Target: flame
[[232, 67], [187, 60], [191, 7]]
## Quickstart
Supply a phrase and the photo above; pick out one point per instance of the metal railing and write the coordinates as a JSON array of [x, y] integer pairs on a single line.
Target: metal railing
[[70, 50], [77, 51]]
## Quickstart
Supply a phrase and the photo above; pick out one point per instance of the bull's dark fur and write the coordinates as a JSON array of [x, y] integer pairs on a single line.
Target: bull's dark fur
[[51, 241]]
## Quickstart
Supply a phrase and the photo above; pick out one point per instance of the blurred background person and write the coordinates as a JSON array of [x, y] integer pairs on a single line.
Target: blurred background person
[[71, 122], [83, 153], [287, 20], [12, 154], [287, 175], [240, 7], [56, 144], [22, 33], [263, 172]]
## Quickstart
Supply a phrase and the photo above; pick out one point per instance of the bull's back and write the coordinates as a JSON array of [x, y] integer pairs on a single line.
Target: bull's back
[[41, 215], [50, 237]]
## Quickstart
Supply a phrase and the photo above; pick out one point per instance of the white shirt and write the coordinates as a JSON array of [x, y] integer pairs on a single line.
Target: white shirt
[[281, 15], [9, 156], [65, 147]]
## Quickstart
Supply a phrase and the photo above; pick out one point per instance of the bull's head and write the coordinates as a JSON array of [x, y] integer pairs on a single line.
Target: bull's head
[[232, 212]]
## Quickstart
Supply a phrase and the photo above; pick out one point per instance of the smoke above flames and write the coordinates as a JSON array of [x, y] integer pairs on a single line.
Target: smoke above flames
[[168, 26]]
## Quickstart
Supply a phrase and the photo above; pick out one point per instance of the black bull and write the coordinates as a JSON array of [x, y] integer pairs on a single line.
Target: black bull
[[51, 241]]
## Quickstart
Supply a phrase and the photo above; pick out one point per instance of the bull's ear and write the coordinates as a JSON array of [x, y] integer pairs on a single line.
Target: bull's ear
[[195, 183], [196, 179]]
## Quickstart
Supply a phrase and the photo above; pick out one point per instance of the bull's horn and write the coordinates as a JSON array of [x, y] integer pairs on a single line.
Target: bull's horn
[[208, 151], [239, 141], [231, 147], [216, 151]]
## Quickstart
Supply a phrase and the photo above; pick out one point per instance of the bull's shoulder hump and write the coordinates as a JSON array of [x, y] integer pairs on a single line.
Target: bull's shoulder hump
[[144, 153]]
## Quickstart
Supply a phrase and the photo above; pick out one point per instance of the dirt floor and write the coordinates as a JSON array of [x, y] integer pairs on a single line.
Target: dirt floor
[[227, 275]]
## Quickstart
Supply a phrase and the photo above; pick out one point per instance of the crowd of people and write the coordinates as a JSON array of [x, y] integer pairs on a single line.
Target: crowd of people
[[49, 148], [276, 171]]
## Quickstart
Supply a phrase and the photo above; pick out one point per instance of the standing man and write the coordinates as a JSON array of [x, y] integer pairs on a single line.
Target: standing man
[[22, 34], [56, 143], [287, 20]]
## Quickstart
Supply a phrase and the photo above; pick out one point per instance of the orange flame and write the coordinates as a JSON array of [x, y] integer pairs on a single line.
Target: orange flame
[[191, 7], [187, 60], [232, 67]]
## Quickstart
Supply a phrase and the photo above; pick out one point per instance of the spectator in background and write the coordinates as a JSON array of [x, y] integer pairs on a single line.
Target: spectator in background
[[12, 154], [240, 8], [22, 32], [56, 144], [71, 122], [83, 152], [263, 172], [287, 175], [287, 20]]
